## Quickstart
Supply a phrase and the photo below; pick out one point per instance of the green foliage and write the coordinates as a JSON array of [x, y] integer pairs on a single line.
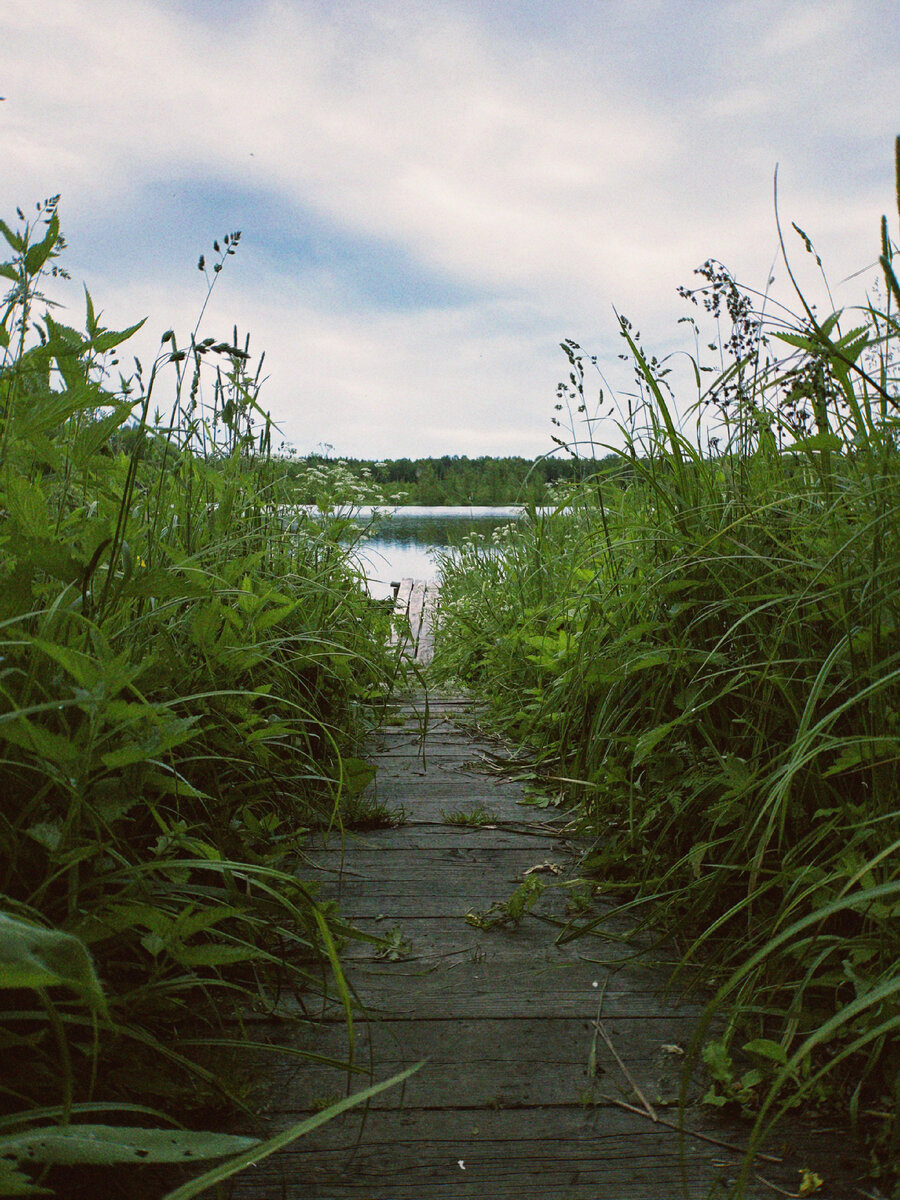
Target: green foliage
[[452, 479], [710, 656], [184, 681], [511, 911], [474, 817]]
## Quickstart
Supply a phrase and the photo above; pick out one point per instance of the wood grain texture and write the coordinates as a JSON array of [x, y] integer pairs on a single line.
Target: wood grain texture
[[516, 1097]]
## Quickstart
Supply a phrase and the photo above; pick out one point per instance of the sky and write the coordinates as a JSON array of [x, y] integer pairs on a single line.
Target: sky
[[433, 194]]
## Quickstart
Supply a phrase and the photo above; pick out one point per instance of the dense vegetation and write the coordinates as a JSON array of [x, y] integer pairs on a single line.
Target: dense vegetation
[[183, 685], [706, 656], [434, 481]]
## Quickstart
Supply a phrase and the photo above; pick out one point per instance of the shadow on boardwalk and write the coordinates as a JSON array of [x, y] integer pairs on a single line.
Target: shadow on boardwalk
[[525, 1040]]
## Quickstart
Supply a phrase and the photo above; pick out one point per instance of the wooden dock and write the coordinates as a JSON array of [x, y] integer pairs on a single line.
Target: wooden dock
[[415, 606], [550, 1071]]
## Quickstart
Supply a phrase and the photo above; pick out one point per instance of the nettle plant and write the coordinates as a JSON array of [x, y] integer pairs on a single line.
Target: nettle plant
[[183, 681]]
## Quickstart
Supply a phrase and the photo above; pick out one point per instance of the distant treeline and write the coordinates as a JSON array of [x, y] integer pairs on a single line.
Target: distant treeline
[[451, 479]]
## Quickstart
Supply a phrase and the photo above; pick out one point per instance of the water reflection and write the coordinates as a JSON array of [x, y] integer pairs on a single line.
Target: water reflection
[[403, 544]]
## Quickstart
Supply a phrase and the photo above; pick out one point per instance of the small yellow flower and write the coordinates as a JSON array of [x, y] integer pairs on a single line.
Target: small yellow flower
[[809, 1182]]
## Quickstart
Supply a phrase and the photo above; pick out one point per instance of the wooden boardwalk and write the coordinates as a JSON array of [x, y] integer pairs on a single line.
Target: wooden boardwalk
[[415, 601], [529, 1045]]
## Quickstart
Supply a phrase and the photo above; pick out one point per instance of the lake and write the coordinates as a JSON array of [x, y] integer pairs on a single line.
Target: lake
[[405, 542]]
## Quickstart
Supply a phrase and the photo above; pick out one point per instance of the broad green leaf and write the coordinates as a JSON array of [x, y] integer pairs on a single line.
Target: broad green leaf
[[647, 742], [109, 338], [15, 241], [27, 506], [38, 254], [83, 669], [90, 323], [105, 1145], [172, 785], [47, 834], [127, 756], [14, 1183], [67, 347], [801, 341], [212, 955], [97, 434], [50, 556], [356, 775], [34, 957], [266, 620], [45, 412], [161, 737], [766, 1048], [52, 747]]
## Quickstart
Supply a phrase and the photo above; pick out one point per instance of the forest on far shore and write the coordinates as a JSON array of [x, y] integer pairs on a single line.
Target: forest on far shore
[[451, 479]]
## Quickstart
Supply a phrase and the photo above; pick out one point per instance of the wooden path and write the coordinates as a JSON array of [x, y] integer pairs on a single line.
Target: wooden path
[[415, 601], [528, 1044]]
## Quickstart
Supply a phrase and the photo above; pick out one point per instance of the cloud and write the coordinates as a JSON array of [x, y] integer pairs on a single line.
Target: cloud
[[432, 195]]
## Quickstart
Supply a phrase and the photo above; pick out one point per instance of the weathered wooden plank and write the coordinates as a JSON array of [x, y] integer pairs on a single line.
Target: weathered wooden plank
[[467, 991], [415, 836], [460, 863], [481, 1154], [428, 938], [469, 788], [360, 902], [505, 1017], [414, 609], [489, 1063]]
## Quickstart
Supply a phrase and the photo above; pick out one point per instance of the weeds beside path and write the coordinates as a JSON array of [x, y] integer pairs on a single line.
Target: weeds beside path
[[183, 685], [704, 653]]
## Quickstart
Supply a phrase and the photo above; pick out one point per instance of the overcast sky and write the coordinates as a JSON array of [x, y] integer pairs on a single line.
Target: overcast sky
[[432, 194]]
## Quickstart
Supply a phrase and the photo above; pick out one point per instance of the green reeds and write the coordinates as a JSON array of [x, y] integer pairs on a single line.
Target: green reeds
[[183, 685], [709, 644]]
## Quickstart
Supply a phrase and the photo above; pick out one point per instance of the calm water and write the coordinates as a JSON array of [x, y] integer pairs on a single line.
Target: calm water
[[404, 544]]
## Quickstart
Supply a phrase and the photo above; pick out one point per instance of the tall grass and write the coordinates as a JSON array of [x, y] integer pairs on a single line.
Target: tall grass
[[708, 650], [183, 684]]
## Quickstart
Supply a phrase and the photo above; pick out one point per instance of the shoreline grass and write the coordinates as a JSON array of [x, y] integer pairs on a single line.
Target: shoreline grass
[[184, 684], [710, 648]]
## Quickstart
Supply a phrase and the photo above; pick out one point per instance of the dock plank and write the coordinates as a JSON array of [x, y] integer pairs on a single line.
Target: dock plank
[[505, 1107]]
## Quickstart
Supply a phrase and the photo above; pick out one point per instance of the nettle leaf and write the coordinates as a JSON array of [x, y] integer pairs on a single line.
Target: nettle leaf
[[109, 338], [766, 1048], [356, 775], [45, 412], [718, 1061], [52, 557], [27, 506], [38, 255], [163, 735], [273, 616], [14, 1183], [49, 746], [106, 1145], [84, 670], [34, 957], [47, 834], [209, 955], [15, 240], [97, 434], [172, 785]]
